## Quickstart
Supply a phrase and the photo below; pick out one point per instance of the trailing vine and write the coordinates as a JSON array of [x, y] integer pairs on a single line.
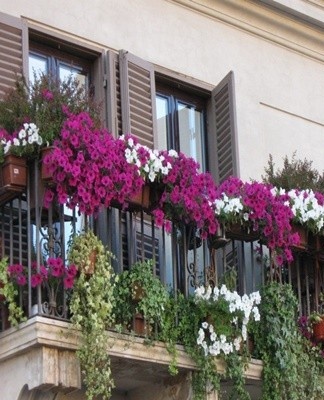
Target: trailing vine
[[91, 307], [289, 370], [10, 292]]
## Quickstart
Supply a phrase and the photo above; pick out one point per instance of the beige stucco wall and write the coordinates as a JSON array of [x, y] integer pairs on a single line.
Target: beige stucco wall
[[279, 72]]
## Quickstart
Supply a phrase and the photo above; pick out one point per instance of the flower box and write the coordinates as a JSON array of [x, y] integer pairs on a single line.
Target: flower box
[[46, 175], [303, 235], [14, 172], [141, 200], [241, 232], [13, 178]]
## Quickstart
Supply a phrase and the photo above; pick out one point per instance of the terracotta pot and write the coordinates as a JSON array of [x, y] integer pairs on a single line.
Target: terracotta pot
[[14, 173], [46, 175], [88, 268], [303, 235], [318, 331], [140, 326], [148, 197], [141, 200]]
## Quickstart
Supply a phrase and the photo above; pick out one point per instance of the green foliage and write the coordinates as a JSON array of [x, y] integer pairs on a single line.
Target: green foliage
[[140, 291], [295, 174], [10, 292], [289, 371], [206, 378], [44, 103], [91, 305]]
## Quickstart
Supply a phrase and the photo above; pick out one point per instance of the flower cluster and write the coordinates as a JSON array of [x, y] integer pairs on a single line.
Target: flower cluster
[[52, 272], [26, 142], [307, 207], [254, 205], [227, 317], [152, 165], [89, 168], [187, 196]]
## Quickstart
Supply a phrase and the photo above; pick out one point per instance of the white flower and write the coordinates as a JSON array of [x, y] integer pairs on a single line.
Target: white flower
[[204, 325], [22, 134]]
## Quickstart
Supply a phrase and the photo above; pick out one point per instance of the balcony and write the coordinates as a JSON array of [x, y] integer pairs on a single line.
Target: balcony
[[42, 350]]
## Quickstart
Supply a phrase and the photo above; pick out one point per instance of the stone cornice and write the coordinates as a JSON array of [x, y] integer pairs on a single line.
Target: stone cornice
[[271, 24], [42, 332]]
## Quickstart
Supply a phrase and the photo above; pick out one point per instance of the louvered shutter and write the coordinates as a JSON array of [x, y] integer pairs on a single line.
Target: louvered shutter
[[13, 62], [13, 42], [224, 153], [138, 98], [113, 97]]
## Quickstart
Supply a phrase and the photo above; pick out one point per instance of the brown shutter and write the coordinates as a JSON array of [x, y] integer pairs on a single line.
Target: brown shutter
[[224, 159], [138, 98], [113, 97], [13, 43]]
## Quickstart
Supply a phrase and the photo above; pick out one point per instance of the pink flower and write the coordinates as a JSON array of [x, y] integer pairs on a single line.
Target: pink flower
[[36, 280], [68, 282]]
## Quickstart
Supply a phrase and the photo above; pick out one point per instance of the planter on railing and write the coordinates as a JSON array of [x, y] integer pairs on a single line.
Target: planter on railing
[[13, 177], [241, 232], [303, 235], [219, 239], [46, 175], [147, 198]]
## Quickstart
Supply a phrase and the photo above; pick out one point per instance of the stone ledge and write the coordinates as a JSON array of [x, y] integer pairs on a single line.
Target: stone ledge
[[41, 332]]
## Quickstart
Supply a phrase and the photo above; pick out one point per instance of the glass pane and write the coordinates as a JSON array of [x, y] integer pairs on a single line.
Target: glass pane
[[190, 131], [66, 71], [162, 113], [37, 66]]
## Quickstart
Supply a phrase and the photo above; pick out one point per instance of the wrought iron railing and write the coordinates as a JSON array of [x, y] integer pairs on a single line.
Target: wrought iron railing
[[30, 233]]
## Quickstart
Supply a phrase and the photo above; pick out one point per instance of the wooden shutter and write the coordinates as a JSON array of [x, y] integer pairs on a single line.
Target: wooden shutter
[[13, 43], [138, 98], [113, 96], [223, 155]]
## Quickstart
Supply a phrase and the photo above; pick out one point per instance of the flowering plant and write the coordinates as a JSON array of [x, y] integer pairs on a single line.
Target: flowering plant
[[227, 315], [89, 167], [50, 274], [37, 111], [152, 165], [307, 207], [26, 142], [255, 206], [187, 196]]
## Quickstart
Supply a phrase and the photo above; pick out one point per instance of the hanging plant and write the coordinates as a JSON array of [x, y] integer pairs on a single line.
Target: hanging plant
[[91, 305]]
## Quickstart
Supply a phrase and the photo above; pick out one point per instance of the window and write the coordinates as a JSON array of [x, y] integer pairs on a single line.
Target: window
[[45, 59], [181, 120]]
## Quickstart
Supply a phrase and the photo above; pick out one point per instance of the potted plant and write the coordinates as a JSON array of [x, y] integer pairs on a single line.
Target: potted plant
[[186, 196], [214, 327], [259, 212], [304, 187], [152, 165], [84, 249], [316, 322], [89, 168], [91, 304], [53, 276], [140, 298]]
